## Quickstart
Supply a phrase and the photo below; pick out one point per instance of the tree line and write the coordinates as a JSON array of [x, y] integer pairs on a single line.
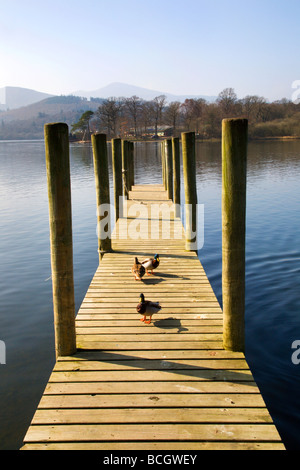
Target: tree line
[[138, 118]]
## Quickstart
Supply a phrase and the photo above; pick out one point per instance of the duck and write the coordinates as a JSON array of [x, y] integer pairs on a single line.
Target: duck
[[147, 308], [138, 270], [150, 264]]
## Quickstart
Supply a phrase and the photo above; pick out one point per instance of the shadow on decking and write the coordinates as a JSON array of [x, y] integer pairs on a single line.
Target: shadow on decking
[[172, 276], [218, 375], [158, 277], [147, 253], [169, 323]]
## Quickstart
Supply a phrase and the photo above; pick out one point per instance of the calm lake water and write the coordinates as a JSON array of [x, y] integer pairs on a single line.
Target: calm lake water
[[272, 268]]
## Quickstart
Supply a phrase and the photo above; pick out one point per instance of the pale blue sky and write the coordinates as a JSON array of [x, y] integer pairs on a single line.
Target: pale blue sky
[[178, 46]]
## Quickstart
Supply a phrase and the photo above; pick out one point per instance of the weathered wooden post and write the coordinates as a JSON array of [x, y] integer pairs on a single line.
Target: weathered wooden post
[[125, 167], [102, 192], [169, 167], [234, 168], [117, 174], [61, 243], [176, 174], [163, 164], [190, 188], [131, 164]]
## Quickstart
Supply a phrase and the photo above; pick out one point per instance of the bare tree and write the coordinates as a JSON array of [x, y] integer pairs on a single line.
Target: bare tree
[[172, 113], [198, 112], [146, 114], [187, 109], [109, 112], [193, 111], [252, 107], [212, 121], [158, 104], [133, 107], [227, 100]]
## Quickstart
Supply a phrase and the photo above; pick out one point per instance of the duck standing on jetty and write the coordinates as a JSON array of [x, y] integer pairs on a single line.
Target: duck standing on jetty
[[150, 264], [138, 270], [147, 308]]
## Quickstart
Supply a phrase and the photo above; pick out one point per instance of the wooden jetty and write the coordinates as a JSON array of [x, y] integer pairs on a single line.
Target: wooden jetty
[[169, 385]]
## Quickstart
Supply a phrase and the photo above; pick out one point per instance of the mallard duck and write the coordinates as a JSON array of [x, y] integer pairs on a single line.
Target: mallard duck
[[138, 270], [151, 263], [147, 308]]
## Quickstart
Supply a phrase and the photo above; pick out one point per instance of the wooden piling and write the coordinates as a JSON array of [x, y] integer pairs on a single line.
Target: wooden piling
[[117, 174], [102, 191], [234, 167], [190, 188], [131, 164], [163, 164], [169, 167], [61, 244], [125, 168], [176, 174]]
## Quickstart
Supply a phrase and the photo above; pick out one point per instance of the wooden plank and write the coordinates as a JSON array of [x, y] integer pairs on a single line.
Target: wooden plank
[[144, 329], [176, 281], [150, 375], [182, 354], [145, 187], [154, 345], [152, 432], [191, 392], [150, 337], [167, 446], [154, 364], [90, 314], [150, 415], [161, 287], [205, 301], [94, 307], [157, 401], [163, 323], [144, 196]]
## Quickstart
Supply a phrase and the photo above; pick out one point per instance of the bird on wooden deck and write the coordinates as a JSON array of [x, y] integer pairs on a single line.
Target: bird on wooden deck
[[150, 264], [147, 308], [138, 270]]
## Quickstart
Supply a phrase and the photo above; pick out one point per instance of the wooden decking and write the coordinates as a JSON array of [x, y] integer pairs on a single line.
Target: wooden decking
[[168, 385]]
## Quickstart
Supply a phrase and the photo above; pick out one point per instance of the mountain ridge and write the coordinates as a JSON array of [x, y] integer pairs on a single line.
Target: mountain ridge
[[16, 97], [12, 98], [119, 89]]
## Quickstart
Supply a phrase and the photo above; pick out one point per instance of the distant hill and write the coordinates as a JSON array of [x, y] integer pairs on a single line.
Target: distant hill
[[54, 106], [28, 122], [118, 89], [16, 97]]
